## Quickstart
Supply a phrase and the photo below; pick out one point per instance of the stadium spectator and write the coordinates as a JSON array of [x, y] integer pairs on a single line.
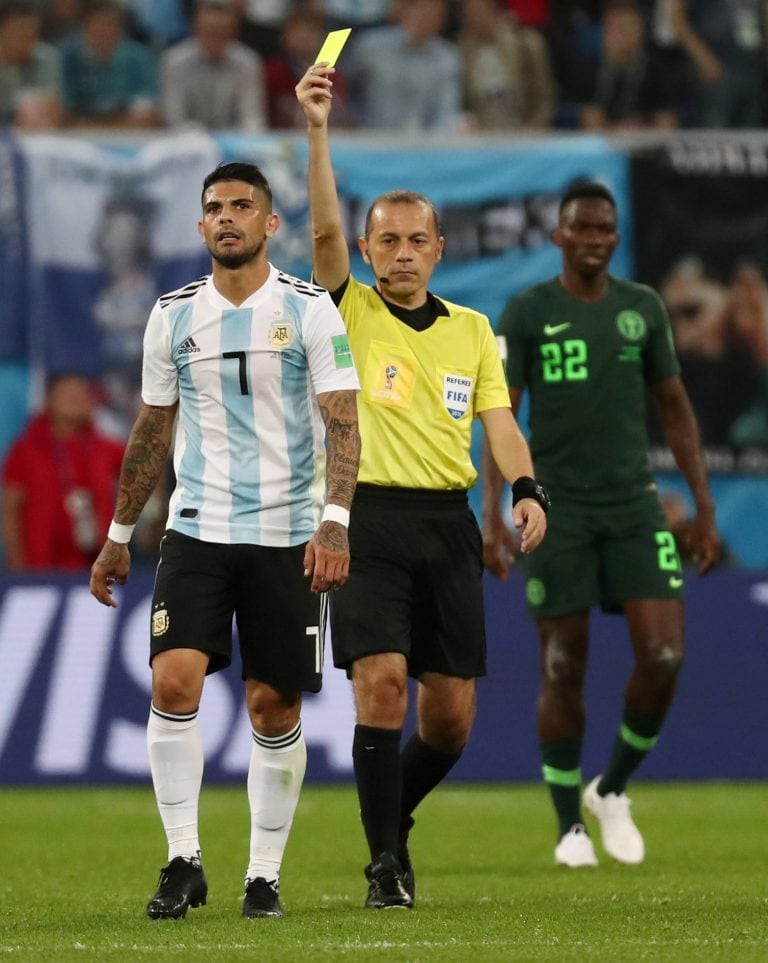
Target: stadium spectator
[[726, 43], [263, 19], [108, 79], [61, 20], [627, 92], [158, 23], [586, 345], [678, 89], [59, 483], [301, 37], [212, 80], [360, 15], [530, 13], [30, 76], [575, 42], [506, 73], [413, 604], [406, 77], [257, 366]]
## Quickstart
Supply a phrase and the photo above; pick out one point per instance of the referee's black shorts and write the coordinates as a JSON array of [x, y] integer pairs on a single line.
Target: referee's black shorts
[[415, 582]]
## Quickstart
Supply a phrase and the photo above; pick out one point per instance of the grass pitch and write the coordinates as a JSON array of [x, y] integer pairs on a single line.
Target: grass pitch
[[78, 865]]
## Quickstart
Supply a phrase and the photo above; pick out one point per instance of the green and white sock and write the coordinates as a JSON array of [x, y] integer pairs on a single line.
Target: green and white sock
[[638, 734], [560, 766]]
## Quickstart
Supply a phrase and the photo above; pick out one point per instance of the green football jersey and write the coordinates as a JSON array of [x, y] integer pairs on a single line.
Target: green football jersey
[[586, 367]]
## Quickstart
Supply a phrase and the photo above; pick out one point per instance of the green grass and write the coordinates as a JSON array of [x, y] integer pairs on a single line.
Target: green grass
[[77, 866]]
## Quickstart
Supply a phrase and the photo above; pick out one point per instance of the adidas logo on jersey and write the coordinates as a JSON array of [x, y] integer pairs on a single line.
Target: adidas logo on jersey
[[187, 347]]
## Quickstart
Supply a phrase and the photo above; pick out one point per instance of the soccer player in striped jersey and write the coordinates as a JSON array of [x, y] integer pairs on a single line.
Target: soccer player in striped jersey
[[413, 604], [254, 369]]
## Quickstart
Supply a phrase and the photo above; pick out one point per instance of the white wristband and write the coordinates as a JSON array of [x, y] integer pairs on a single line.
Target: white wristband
[[120, 533], [335, 513]]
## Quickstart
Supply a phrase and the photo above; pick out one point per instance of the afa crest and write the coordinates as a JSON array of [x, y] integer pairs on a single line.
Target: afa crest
[[281, 335], [160, 622]]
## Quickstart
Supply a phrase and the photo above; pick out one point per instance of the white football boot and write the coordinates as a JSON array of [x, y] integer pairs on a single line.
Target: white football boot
[[575, 849], [621, 838]]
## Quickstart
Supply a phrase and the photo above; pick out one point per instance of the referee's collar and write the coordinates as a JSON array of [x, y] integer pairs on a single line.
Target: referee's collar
[[419, 318]]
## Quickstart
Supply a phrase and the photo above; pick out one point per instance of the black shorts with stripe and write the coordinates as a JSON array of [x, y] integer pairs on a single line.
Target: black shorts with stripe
[[415, 582], [201, 586]]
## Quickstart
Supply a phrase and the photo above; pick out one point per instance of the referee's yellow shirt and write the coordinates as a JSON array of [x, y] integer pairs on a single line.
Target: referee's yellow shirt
[[420, 390]]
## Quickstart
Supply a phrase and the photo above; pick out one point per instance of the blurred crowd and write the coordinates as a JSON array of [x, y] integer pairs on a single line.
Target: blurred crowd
[[453, 66]]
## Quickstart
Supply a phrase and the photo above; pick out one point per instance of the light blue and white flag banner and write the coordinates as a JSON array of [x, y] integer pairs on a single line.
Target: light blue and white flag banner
[[110, 229], [112, 225], [93, 230], [497, 202]]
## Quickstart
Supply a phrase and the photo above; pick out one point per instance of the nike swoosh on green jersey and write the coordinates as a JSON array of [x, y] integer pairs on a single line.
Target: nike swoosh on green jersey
[[675, 582], [554, 328]]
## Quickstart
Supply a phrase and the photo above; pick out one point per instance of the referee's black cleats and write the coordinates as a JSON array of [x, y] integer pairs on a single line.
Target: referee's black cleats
[[182, 884], [386, 887], [261, 899]]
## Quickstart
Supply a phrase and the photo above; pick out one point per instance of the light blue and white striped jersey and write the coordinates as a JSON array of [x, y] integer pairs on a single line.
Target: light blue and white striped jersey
[[249, 453]]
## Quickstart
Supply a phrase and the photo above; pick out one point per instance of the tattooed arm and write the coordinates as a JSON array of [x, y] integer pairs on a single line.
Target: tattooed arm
[[327, 557], [143, 464]]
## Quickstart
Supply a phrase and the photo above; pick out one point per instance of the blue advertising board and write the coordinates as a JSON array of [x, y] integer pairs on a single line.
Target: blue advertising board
[[75, 690]]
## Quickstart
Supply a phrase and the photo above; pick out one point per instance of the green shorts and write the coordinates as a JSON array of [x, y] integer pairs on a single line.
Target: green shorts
[[602, 556]]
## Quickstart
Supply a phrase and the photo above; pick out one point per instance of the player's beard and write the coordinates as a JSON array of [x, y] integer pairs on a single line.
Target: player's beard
[[238, 259]]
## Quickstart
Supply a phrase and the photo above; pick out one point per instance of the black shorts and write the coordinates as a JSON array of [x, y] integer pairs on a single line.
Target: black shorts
[[415, 583], [201, 586]]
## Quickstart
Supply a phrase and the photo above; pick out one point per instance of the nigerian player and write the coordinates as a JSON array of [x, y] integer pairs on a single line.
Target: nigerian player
[[413, 603], [257, 366], [587, 346]]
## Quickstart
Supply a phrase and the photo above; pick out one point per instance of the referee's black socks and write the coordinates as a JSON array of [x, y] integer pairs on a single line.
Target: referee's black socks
[[376, 759], [423, 768]]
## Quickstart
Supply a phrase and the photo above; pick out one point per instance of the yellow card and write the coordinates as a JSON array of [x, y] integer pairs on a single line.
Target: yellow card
[[333, 45]]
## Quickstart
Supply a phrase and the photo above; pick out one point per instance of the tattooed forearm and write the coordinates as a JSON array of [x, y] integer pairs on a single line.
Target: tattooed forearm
[[339, 411], [144, 460]]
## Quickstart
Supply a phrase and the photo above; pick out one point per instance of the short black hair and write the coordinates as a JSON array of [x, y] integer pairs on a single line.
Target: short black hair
[[402, 197], [239, 171], [586, 189]]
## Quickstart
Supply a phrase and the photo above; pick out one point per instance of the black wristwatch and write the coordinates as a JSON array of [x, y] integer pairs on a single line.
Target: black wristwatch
[[526, 487]]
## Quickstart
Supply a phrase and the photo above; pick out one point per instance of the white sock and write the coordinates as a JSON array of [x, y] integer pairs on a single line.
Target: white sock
[[275, 776], [176, 761]]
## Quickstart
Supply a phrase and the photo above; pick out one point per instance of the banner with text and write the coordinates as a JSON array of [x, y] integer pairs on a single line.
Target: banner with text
[[75, 691]]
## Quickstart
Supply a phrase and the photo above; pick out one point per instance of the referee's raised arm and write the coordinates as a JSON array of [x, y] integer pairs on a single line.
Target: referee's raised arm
[[330, 255]]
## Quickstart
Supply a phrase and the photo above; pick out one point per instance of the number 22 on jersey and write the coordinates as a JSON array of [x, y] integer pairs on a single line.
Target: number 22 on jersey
[[564, 362]]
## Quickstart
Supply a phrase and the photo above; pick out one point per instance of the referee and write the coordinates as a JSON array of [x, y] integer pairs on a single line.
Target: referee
[[413, 603]]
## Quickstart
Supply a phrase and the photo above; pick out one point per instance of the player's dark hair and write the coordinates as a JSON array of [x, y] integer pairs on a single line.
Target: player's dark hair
[[402, 197], [586, 189], [239, 171]]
